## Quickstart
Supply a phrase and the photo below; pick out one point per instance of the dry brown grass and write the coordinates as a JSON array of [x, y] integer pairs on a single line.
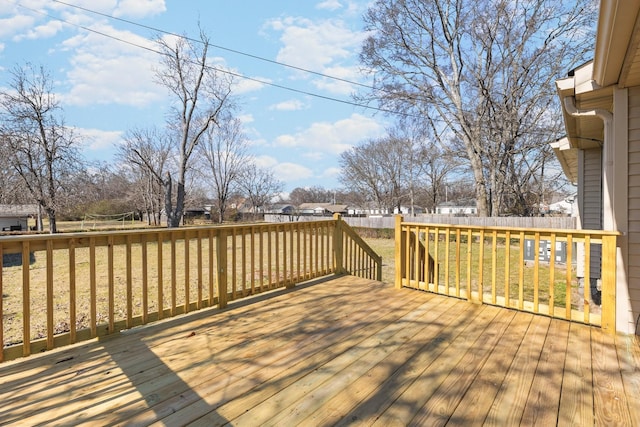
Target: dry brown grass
[[195, 278], [13, 285]]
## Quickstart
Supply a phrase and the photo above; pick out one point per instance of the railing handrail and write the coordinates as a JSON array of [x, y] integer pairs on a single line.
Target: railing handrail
[[14, 241], [216, 264], [414, 268], [528, 231]]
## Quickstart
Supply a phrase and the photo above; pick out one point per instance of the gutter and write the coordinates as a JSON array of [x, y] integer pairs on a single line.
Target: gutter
[[608, 219], [606, 116]]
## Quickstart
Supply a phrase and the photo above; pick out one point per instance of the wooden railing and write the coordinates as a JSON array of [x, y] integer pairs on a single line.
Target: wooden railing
[[544, 271], [65, 288]]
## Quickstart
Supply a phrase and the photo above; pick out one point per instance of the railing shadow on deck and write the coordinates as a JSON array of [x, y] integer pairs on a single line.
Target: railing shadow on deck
[[77, 286], [568, 274], [134, 373]]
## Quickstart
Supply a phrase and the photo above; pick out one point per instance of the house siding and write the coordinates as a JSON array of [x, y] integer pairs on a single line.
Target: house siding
[[634, 200], [590, 206]]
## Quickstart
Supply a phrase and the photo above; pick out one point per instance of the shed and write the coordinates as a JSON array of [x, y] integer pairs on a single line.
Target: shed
[[16, 217]]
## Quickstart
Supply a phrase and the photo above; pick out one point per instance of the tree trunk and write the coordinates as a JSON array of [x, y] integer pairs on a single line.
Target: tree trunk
[[480, 184], [168, 205], [40, 226], [53, 228], [179, 211]]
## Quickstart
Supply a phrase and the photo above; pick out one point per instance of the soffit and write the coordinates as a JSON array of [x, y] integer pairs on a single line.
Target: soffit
[[617, 58], [630, 75], [568, 157]]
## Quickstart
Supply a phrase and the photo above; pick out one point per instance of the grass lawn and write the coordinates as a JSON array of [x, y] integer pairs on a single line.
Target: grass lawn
[[12, 282]]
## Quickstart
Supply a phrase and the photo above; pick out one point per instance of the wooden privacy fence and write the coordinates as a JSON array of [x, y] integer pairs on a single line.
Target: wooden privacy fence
[[544, 271], [64, 288]]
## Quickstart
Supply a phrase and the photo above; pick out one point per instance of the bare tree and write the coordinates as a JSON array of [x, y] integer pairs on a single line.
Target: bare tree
[[315, 194], [260, 186], [436, 168], [12, 189], [99, 189], [145, 153], [42, 150], [380, 169], [201, 93], [481, 72], [224, 153]]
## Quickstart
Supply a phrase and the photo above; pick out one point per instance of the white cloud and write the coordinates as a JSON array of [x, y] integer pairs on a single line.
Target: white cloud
[[257, 141], [286, 141], [329, 5], [14, 25], [333, 138], [290, 105], [332, 172], [106, 71], [46, 30], [341, 87], [328, 47], [315, 45], [96, 139], [140, 8], [292, 172], [265, 161], [314, 155], [287, 172], [242, 86], [246, 118]]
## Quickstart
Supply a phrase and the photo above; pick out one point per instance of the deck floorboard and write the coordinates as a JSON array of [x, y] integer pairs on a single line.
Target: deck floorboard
[[344, 351]]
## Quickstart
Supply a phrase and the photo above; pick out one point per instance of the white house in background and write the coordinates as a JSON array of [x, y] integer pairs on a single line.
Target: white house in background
[[601, 153], [407, 210], [464, 208], [356, 210], [562, 207], [16, 217]]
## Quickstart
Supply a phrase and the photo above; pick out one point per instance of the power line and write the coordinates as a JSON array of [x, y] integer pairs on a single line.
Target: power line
[[238, 52], [236, 74], [221, 70]]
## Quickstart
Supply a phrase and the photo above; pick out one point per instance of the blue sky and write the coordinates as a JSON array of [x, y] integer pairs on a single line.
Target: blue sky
[[106, 86]]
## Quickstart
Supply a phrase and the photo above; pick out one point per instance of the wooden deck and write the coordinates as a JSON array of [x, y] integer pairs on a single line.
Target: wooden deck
[[346, 351]]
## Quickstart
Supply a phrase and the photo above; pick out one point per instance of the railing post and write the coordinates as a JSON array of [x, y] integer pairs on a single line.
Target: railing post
[[608, 320], [338, 245], [221, 258], [399, 261], [26, 300], [1, 306]]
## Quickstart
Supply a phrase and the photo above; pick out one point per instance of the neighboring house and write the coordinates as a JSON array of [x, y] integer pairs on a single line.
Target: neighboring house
[[562, 207], [280, 209], [601, 153], [191, 213], [360, 211], [321, 209], [456, 208], [407, 210], [16, 217]]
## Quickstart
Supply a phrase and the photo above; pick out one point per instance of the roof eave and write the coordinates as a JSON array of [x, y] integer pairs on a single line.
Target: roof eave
[[616, 22], [567, 155]]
